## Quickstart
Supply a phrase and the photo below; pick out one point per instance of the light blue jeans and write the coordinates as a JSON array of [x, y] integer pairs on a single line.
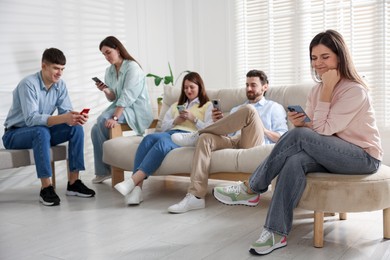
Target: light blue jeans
[[152, 151], [41, 138], [100, 134], [298, 152]]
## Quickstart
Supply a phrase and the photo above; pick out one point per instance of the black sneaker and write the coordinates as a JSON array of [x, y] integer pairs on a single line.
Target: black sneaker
[[48, 197], [79, 189]]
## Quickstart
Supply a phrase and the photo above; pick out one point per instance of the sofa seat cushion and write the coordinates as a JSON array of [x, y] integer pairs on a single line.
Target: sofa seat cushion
[[180, 160], [347, 193]]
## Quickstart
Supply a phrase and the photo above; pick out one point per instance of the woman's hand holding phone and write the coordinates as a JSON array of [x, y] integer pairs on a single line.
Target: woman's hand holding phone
[[297, 115], [99, 84]]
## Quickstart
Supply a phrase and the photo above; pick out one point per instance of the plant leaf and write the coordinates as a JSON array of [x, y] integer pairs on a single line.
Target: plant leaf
[[157, 80], [170, 71], [167, 80]]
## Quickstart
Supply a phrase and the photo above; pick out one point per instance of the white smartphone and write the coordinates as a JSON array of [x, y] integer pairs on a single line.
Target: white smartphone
[[181, 108], [299, 109], [216, 104]]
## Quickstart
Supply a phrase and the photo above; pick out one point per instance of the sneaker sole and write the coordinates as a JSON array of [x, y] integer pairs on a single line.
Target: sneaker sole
[[184, 211], [266, 252], [78, 194], [101, 180], [240, 202], [45, 203]]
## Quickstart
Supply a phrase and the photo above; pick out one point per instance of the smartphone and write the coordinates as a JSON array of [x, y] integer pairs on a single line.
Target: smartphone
[[97, 80], [299, 109], [216, 104], [181, 108], [84, 111]]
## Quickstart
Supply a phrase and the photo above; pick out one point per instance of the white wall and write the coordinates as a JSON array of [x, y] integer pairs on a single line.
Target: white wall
[[190, 34]]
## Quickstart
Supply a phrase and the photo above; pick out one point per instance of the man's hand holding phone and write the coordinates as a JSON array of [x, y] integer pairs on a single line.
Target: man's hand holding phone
[[83, 116], [217, 112]]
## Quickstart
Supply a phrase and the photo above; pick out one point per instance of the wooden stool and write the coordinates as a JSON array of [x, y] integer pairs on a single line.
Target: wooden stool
[[329, 193]]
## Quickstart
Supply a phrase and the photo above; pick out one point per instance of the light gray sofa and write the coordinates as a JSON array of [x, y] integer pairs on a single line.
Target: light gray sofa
[[229, 164]]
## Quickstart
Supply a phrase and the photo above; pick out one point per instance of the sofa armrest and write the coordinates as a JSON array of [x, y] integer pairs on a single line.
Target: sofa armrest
[[118, 130]]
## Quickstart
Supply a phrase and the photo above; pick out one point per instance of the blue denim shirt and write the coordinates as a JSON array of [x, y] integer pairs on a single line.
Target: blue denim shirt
[[33, 104], [272, 115], [130, 88]]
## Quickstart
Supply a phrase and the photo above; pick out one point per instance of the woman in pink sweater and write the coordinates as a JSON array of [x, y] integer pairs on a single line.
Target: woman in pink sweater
[[341, 137]]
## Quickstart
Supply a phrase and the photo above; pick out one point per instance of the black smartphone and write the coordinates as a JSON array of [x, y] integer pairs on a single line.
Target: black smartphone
[[216, 104], [97, 80], [299, 109]]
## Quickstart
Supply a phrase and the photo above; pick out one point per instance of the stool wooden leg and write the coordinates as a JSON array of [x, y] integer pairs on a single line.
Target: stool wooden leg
[[318, 238], [117, 175], [343, 216], [386, 223]]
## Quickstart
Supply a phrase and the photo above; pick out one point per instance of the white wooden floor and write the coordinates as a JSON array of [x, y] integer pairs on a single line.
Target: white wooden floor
[[104, 228]]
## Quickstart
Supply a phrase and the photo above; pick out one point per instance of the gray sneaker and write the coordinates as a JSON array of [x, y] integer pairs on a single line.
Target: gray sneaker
[[236, 195], [267, 242]]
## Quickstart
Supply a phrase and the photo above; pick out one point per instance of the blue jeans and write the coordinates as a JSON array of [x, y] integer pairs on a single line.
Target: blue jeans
[[100, 134], [152, 151], [41, 138], [298, 152]]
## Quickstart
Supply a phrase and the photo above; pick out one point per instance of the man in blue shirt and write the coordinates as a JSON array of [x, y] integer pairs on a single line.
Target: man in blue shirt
[[30, 123], [259, 121]]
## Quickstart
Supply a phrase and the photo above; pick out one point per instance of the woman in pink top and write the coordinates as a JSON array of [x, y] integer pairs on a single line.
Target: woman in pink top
[[342, 137]]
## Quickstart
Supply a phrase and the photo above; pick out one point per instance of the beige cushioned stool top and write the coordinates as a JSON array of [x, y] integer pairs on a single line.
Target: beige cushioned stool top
[[347, 193]]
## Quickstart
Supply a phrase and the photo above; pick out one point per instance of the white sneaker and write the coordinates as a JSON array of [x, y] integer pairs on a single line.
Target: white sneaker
[[185, 139], [134, 197], [190, 202], [125, 187], [100, 178]]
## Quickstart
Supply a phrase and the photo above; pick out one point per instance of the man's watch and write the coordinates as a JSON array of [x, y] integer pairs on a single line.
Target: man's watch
[[115, 118]]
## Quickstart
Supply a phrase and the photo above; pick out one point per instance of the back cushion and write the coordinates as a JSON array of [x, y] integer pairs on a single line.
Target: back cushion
[[284, 95], [229, 99]]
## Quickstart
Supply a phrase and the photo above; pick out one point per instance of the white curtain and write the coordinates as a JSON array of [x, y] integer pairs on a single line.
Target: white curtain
[[274, 36]]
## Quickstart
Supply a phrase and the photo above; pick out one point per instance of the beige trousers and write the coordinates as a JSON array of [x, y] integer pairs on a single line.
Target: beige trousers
[[214, 137]]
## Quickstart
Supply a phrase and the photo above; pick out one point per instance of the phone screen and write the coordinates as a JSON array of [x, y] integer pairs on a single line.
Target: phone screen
[[96, 79]]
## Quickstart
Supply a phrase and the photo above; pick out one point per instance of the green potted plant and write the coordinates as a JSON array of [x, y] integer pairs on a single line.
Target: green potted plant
[[166, 79]]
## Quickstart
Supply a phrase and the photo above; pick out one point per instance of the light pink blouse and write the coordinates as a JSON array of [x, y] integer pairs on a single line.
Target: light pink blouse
[[349, 116]]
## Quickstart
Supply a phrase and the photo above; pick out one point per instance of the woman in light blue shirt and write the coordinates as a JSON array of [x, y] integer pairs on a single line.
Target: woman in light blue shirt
[[125, 86]]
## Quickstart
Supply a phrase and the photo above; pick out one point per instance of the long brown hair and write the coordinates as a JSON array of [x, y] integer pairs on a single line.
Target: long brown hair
[[202, 95], [334, 41], [114, 43]]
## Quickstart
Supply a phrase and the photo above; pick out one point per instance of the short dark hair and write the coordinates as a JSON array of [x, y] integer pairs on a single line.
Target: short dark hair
[[54, 56], [260, 74]]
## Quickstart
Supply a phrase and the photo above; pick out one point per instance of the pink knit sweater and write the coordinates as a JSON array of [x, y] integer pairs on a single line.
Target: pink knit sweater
[[349, 116]]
